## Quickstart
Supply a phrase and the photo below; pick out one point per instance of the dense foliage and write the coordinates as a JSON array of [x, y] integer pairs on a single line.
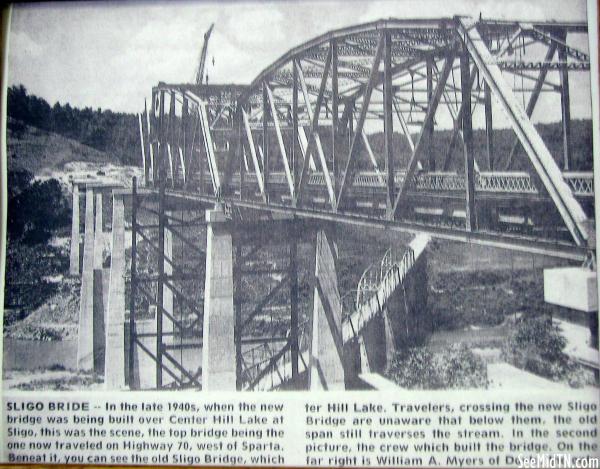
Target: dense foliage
[[536, 344], [452, 367], [35, 208], [581, 135], [114, 133]]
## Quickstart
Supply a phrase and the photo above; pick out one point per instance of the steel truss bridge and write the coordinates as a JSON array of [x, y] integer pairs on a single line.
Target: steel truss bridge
[[296, 144], [295, 139]]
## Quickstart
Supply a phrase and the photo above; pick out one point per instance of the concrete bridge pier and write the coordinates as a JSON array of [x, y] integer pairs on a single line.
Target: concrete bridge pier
[[326, 367], [85, 336], [114, 366], [168, 327], [94, 295], [100, 287], [74, 258], [218, 352]]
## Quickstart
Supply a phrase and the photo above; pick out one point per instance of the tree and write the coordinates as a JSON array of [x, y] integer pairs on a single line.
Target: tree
[[35, 210]]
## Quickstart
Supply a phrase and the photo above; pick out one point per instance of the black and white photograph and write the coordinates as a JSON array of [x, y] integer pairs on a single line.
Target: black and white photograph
[[306, 196]]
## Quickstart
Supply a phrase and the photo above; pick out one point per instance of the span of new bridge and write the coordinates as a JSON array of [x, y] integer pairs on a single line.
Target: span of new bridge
[[190, 276]]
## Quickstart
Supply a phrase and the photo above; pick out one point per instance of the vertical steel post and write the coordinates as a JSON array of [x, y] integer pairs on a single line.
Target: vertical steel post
[[237, 328], [334, 108], [201, 161], [147, 145], [161, 240], [171, 136], [153, 144], [184, 140], [265, 141], [293, 275], [429, 135], [295, 159], [489, 127], [133, 285], [467, 125], [240, 148], [565, 104], [388, 122], [350, 122]]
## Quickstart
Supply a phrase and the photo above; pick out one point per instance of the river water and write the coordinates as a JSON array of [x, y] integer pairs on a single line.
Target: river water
[[20, 354]]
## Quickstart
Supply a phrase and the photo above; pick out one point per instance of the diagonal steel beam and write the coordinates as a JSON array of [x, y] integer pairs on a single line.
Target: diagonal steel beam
[[313, 129], [533, 100], [286, 164], [317, 137], [404, 126], [347, 177], [142, 144], [457, 131], [508, 45], [208, 147], [302, 135], [252, 149], [150, 146], [388, 121], [334, 112], [539, 156], [414, 159]]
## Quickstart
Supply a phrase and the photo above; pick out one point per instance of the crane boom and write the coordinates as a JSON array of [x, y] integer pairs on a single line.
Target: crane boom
[[202, 61]]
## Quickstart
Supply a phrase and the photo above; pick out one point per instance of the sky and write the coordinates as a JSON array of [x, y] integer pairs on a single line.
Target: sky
[[109, 55]]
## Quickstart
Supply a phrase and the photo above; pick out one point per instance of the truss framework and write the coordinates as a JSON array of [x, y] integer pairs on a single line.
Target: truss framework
[[303, 118]]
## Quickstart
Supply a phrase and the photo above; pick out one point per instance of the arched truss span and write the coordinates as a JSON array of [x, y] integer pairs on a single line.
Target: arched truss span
[[343, 127]]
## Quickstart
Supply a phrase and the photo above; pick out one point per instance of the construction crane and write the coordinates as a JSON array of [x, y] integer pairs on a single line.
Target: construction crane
[[202, 61]]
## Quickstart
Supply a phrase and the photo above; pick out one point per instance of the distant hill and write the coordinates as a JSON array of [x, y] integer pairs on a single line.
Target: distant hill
[[114, 133], [35, 149], [581, 134]]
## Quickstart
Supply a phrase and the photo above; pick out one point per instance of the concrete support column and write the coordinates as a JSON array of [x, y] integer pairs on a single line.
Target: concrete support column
[[74, 254], [98, 235], [144, 373], [85, 337], [326, 357], [218, 352], [114, 367], [100, 295], [168, 328]]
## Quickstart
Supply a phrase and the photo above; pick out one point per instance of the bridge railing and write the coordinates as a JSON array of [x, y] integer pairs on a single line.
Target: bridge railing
[[509, 182], [377, 284], [581, 183]]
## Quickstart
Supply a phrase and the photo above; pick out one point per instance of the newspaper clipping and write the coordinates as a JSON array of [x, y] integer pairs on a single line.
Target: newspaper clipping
[[312, 233]]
